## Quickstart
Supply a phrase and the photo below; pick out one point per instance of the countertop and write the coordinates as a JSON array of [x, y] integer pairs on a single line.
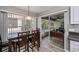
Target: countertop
[[73, 36]]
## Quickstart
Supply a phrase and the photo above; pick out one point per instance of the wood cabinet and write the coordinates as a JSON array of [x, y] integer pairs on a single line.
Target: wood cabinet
[[74, 15], [58, 38], [57, 34]]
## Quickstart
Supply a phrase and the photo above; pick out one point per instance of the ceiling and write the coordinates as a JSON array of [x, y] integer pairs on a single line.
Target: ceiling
[[36, 9]]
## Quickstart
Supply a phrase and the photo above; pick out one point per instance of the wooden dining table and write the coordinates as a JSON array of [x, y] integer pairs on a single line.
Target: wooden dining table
[[13, 42]]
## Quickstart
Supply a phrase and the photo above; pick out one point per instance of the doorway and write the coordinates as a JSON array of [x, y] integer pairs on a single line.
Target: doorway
[[53, 31]]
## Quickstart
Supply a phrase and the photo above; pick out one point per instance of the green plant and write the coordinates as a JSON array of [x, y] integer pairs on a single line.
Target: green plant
[[45, 24]]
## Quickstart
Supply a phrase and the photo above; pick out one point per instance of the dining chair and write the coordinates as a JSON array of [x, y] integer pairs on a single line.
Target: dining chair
[[35, 40], [24, 41]]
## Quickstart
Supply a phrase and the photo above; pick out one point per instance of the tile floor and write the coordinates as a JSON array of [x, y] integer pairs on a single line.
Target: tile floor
[[48, 46]]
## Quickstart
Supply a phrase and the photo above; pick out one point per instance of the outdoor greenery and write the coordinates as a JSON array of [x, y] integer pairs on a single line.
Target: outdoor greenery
[[45, 24]]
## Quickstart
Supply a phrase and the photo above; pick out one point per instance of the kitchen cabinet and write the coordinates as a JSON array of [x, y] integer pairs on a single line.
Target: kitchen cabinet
[[74, 46], [74, 15]]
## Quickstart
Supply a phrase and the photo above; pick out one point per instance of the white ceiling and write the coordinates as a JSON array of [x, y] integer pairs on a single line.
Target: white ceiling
[[36, 9]]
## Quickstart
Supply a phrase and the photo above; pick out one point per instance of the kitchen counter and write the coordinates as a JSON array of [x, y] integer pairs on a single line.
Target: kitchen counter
[[73, 36]]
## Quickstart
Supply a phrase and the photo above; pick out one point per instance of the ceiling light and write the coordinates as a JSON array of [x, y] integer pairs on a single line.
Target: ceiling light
[[28, 17]]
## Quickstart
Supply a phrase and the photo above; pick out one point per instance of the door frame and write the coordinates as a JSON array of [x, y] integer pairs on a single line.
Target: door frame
[[65, 25]]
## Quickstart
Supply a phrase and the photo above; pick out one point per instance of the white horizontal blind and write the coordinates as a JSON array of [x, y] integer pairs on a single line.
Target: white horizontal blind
[[14, 24]]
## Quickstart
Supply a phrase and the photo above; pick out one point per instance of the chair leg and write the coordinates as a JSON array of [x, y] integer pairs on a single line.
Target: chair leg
[[13, 48], [38, 47], [27, 46], [16, 47], [9, 48], [32, 48], [19, 48], [39, 42]]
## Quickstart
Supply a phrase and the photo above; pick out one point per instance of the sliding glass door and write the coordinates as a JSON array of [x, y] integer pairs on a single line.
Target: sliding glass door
[[57, 30], [53, 29]]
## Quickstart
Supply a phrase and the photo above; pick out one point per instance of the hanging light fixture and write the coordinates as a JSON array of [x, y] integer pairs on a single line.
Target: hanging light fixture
[[28, 16]]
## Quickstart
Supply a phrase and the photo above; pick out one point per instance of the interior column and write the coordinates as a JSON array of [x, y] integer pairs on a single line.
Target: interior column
[[3, 25]]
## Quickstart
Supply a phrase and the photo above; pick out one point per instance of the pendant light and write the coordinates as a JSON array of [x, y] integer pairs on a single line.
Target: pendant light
[[28, 16]]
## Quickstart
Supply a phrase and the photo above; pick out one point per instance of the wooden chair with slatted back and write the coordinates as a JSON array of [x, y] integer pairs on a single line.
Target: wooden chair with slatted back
[[24, 41], [35, 41]]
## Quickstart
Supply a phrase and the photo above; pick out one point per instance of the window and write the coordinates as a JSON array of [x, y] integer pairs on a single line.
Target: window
[[30, 24], [14, 25], [12, 22]]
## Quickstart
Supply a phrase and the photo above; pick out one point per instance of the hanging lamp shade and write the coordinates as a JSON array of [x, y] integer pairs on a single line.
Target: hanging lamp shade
[[28, 16]]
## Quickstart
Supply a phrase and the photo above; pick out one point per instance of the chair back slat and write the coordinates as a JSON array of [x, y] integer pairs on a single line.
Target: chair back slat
[[0, 40], [24, 35]]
